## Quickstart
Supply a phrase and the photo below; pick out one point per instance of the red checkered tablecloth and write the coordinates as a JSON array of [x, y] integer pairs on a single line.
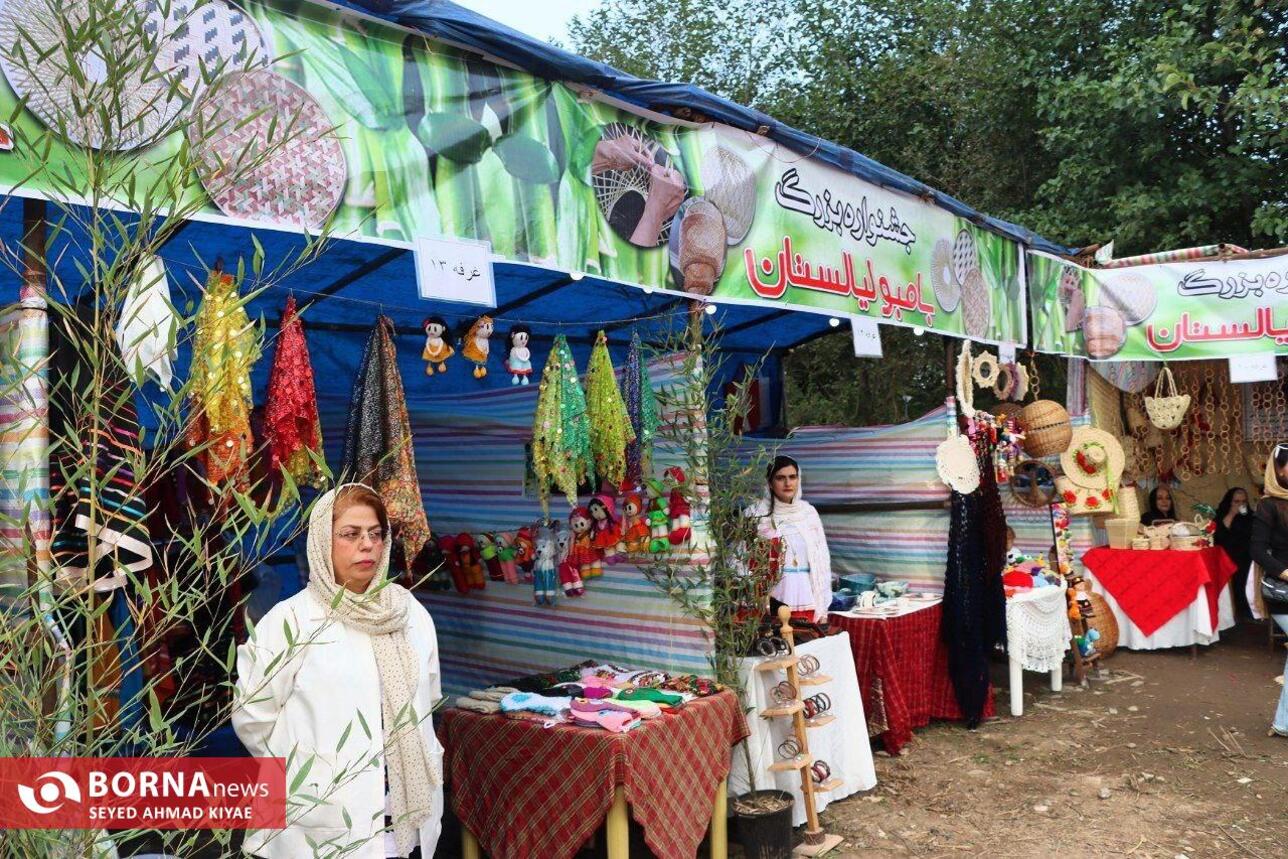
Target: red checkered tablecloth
[[903, 673], [527, 791], [1153, 586]]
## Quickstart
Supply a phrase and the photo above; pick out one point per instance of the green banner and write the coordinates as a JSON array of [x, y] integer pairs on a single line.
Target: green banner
[[415, 139], [1169, 311]]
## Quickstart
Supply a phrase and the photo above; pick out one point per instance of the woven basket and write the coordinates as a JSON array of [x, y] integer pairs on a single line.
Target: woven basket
[[1103, 622], [1121, 532], [702, 246], [1187, 544], [1104, 332], [1010, 410], [1166, 409], [1046, 428], [1140, 543]]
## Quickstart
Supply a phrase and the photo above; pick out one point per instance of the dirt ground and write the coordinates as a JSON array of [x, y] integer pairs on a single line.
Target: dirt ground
[[1165, 756]]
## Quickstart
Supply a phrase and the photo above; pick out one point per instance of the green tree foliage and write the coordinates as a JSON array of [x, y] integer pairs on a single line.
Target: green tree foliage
[[1154, 124]]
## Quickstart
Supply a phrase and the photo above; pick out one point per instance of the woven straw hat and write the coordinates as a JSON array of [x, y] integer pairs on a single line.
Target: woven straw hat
[[730, 185], [35, 59], [1101, 463], [1130, 293], [956, 463], [300, 172]]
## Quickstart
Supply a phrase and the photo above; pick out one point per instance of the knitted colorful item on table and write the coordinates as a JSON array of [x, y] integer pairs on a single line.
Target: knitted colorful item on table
[[294, 433], [224, 350], [641, 405], [610, 425], [561, 452], [378, 443]]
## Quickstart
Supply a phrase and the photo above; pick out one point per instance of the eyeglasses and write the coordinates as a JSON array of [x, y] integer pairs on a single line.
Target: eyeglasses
[[355, 535]]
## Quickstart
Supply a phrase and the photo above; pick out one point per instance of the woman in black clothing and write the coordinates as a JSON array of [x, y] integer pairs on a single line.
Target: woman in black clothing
[[1270, 553], [1234, 534], [1161, 506]]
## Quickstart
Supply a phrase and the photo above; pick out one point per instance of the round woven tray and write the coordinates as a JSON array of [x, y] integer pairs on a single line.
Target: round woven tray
[[976, 311], [1103, 622], [943, 278], [295, 177], [200, 41], [36, 62]]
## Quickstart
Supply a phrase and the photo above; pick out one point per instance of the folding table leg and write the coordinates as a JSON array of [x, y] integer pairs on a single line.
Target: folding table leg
[[720, 823], [1017, 687], [469, 845], [618, 827]]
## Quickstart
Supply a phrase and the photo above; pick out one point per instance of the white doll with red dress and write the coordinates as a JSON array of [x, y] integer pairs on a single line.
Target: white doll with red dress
[[569, 571]]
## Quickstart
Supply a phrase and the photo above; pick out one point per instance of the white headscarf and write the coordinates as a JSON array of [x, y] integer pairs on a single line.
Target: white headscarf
[[381, 612], [802, 516]]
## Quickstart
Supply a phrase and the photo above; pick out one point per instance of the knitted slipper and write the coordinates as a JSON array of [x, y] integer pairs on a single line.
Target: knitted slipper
[[478, 706]]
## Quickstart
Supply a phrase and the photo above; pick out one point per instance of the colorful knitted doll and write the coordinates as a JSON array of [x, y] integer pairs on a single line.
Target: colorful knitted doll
[[605, 530], [659, 520], [467, 551], [527, 552], [583, 550], [488, 552], [447, 544], [635, 530], [678, 507], [544, 582], [506, 552], [519, 362], [437, 349], [569, 572], [475, 346]]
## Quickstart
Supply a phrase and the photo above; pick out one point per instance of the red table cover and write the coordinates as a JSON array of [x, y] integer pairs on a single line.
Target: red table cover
[[903, 673], [1153, 586], [527, 791]]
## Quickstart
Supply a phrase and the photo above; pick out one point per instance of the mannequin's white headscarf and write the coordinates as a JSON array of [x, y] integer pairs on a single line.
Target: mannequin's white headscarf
[[381, 612], [802, 516]]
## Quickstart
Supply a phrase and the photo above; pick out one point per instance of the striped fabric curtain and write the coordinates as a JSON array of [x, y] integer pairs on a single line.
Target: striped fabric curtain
[[24, 444]]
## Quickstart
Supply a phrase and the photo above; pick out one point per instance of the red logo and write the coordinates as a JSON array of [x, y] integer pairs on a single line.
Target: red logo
[[142, 793]]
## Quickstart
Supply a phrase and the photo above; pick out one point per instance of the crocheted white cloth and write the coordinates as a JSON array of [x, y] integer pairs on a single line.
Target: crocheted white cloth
[[1037, 628]]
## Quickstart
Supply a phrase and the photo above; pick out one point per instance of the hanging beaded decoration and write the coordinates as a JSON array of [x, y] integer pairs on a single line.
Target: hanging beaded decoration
[[610, 425], [561, 454], [641, 405]]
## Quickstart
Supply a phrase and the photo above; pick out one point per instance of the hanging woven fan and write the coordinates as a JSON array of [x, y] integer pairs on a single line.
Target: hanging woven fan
[[200, 41], [948, 290], [965, 256], [622, 193], [58, 65], [296, 169], [730, 185], [976, 310]]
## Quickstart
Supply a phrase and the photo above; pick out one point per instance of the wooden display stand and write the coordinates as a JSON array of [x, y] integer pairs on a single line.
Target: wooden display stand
[[817, 842]]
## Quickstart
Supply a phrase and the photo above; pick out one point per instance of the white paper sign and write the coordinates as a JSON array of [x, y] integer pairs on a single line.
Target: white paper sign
[[1259, 367], [449, 270], [1006, 353], [867, 337]]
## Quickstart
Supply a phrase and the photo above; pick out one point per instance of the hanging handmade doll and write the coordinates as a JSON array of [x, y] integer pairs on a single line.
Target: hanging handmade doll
[[519, 362], [447, 545], [475, 348], [526, 556], [437, 349], [569, 572], [635, 530], [506, 552], [431, 562], [659, 520], [583, 551], [468, 553], [488, 552], [678, 507], [605, 530], [544, 582]]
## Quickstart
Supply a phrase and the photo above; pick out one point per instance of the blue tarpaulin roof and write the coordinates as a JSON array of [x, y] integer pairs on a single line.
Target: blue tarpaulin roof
[[442, 19]]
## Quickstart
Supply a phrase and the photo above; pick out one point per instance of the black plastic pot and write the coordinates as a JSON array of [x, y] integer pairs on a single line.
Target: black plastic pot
[[765, 834]]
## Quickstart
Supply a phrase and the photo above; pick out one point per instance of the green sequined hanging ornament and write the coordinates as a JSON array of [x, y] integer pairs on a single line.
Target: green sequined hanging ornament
[[610, 424], [641, 405], [561, 452]]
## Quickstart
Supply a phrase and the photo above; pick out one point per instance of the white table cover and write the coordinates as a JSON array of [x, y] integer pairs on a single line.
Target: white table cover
[[843, 743], [1192, 625]]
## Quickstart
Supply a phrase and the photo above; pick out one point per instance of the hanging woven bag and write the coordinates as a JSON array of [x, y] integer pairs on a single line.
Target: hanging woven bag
[[1167, 407]]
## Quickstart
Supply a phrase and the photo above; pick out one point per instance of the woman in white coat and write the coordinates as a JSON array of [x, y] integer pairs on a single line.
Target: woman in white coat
[[805, 585], [348, 692]]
